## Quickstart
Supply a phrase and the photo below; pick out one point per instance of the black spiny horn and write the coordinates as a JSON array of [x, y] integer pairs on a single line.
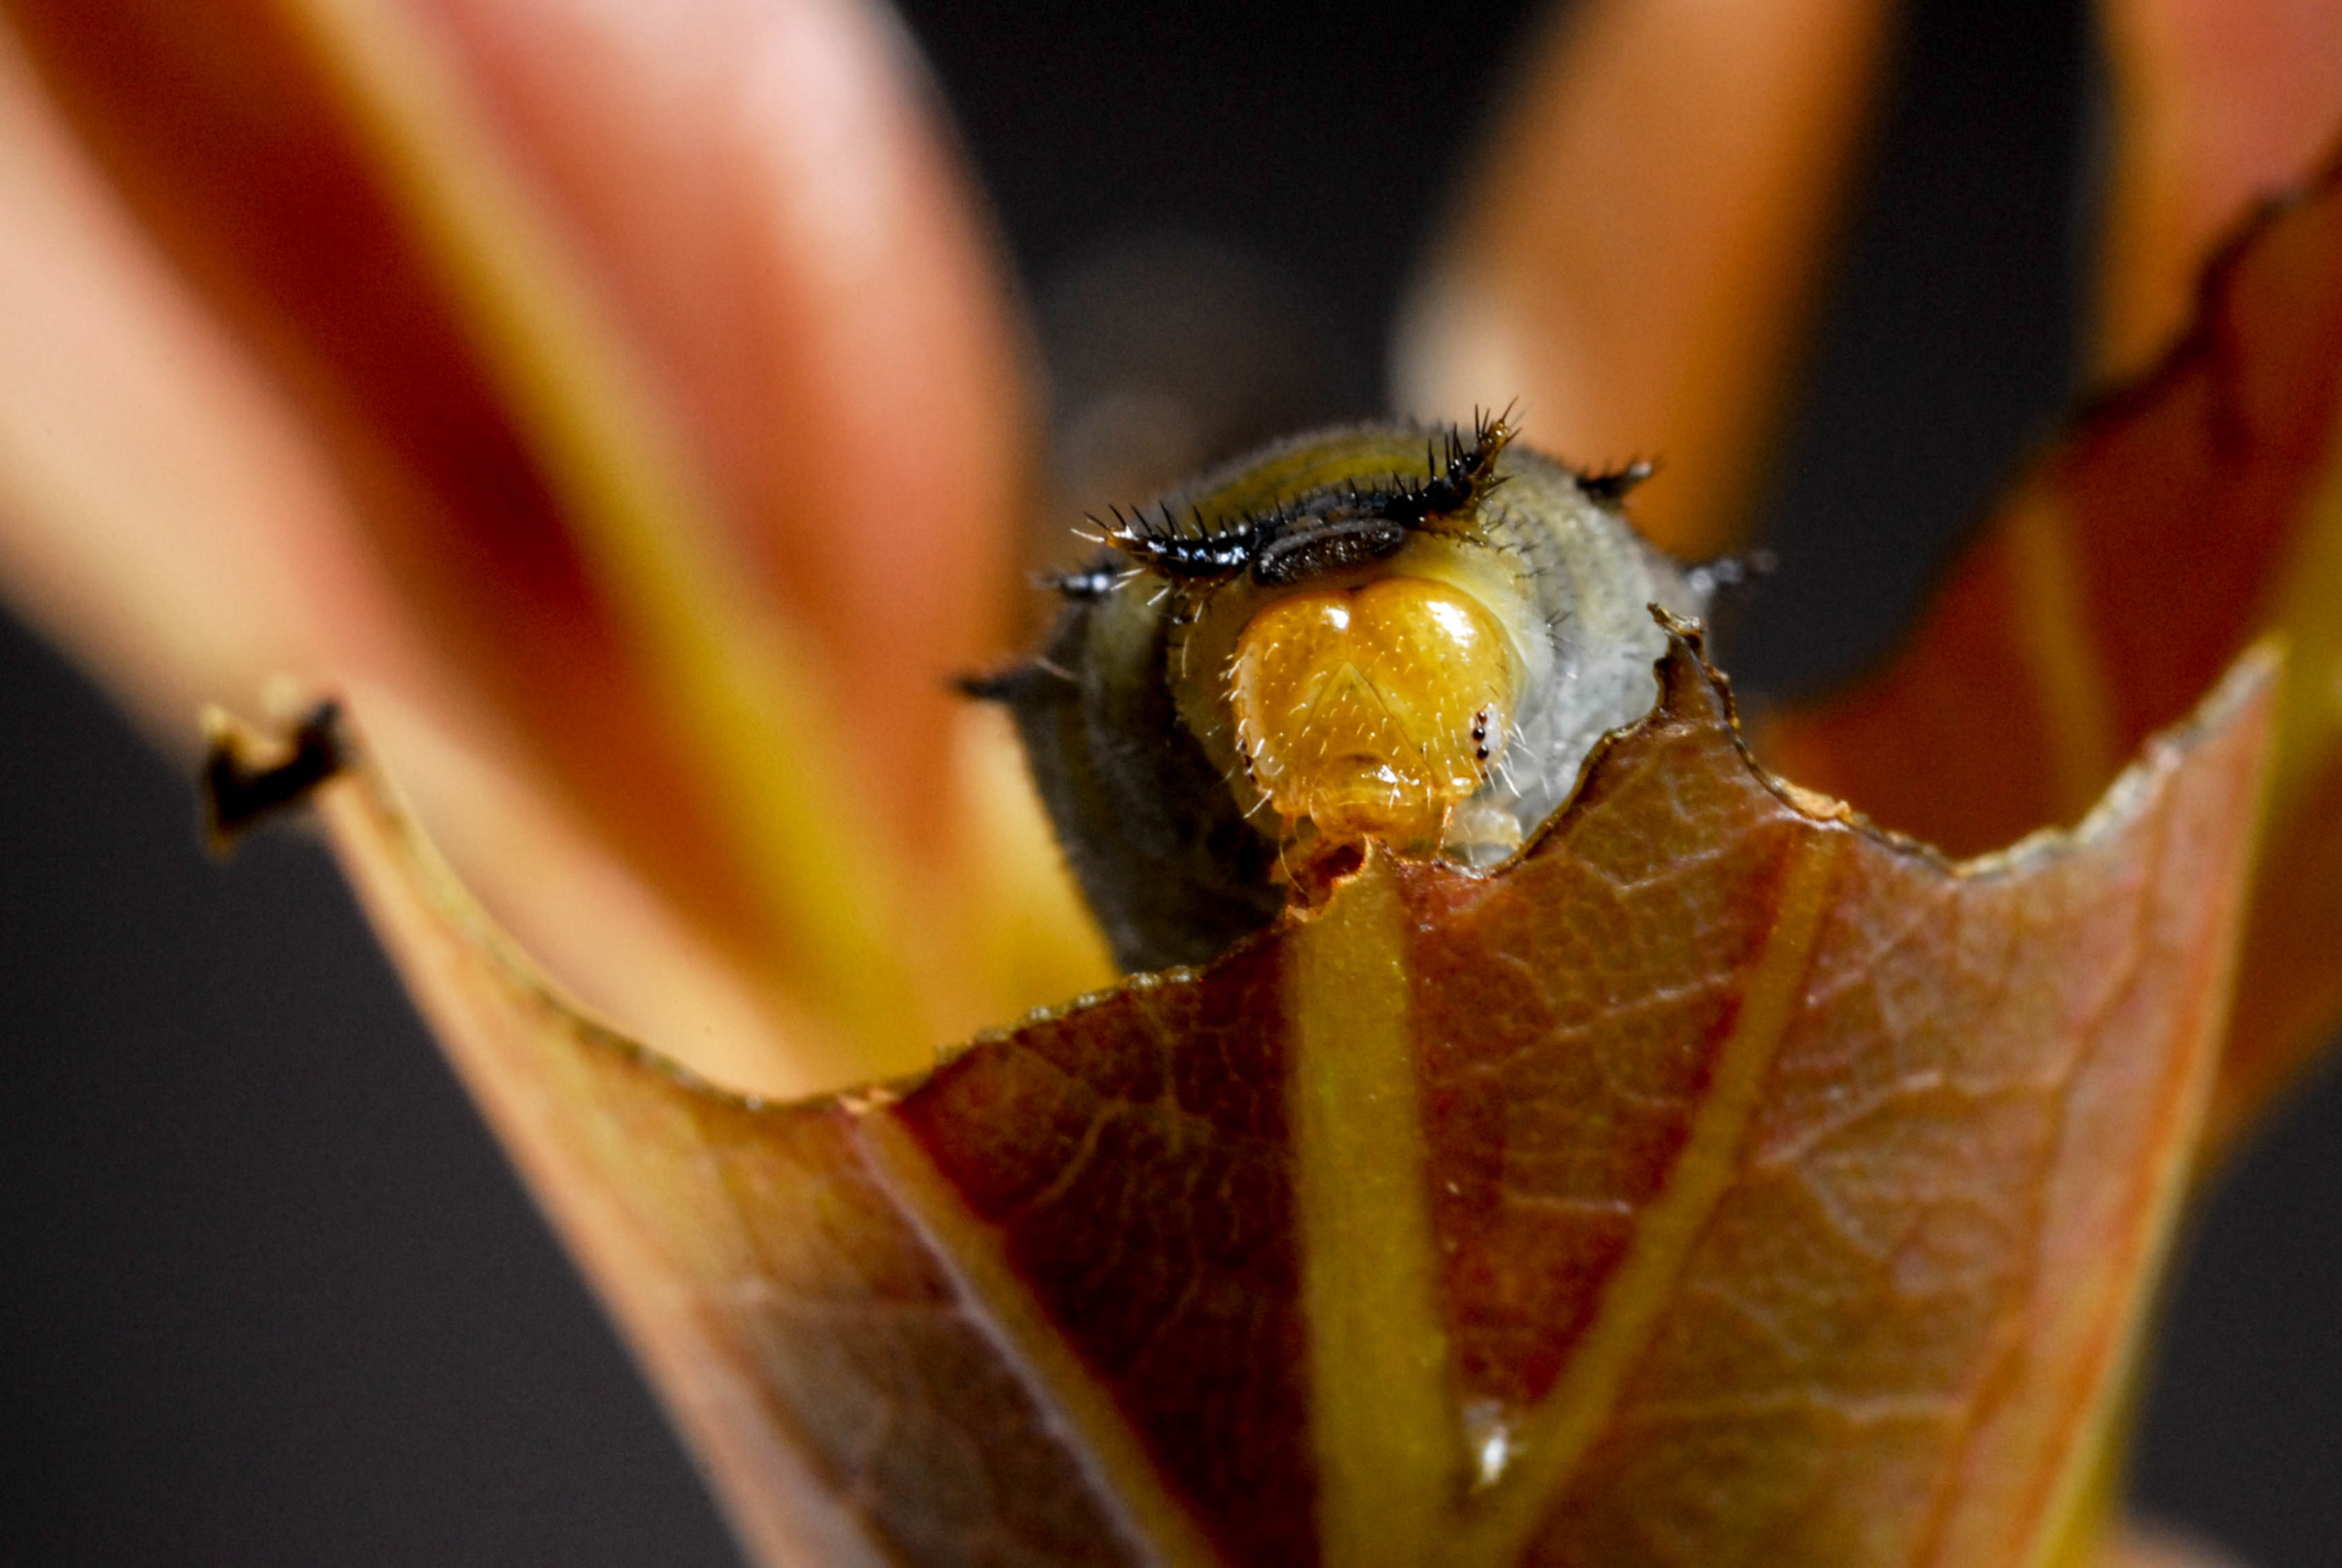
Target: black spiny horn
[[1610, 485]]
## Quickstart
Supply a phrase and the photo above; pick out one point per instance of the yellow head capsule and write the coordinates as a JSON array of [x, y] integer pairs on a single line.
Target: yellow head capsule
[[1372, 710]]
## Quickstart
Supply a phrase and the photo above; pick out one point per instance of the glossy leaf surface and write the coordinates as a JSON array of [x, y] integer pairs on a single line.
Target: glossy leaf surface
[[2180, 519], [1720, 1183]]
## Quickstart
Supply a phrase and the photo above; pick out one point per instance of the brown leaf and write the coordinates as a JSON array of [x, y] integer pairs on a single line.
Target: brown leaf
[[1639, 249], [2176, 521], [2216, 104], [278, 204], [660, 447], [1722, 1182]]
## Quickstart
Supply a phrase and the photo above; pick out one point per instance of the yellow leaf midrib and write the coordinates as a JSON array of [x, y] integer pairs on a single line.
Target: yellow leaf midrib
[[2059, 647], [741, 692], [1383, 1421], [1124, 1478], [1556, 1436], [2306, 608]]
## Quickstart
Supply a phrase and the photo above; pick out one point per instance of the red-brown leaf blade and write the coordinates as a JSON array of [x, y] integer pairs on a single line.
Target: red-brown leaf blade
[[2176, 521], [1876, 1154], [354, 190]]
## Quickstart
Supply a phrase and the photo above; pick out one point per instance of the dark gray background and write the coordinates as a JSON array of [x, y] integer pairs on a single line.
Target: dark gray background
[[267, 1295]]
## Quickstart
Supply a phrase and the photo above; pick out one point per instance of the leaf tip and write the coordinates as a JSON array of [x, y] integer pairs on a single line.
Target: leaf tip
[[248, 777]]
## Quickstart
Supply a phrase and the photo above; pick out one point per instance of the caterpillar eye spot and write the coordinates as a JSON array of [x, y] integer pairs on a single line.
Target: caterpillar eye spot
[[1353, 634]]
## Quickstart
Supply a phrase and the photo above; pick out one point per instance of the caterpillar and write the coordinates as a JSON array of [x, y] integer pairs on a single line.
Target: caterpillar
[[1391, 631]]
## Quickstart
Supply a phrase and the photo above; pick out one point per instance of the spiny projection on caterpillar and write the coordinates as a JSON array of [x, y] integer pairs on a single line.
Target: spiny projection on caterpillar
[[1382, 631]]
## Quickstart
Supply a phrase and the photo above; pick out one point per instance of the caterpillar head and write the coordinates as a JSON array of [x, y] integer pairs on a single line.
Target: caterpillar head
[[1383, 632]]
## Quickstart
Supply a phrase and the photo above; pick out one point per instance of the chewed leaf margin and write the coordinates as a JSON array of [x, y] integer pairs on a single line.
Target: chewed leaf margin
[[1094, 1289]]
